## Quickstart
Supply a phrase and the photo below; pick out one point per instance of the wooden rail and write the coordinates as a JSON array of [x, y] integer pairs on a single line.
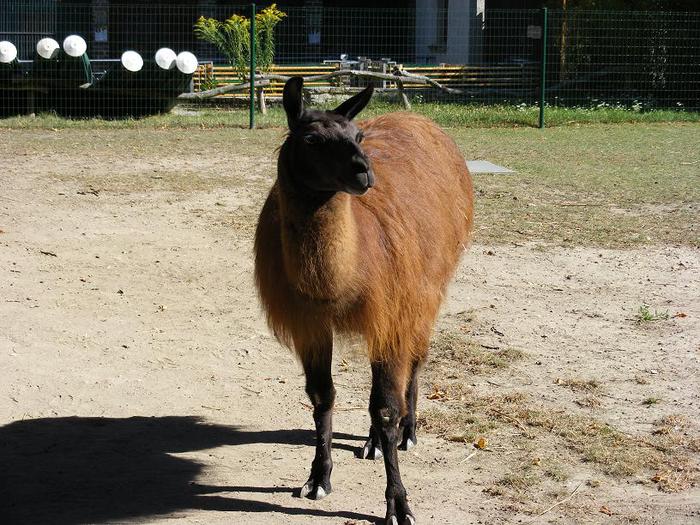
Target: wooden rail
[[455, 78]]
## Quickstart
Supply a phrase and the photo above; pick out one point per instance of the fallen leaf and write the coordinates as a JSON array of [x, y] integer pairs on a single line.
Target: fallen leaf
[[481, 443], [606, 510], [657, 477], [438, 394], [676, 315]]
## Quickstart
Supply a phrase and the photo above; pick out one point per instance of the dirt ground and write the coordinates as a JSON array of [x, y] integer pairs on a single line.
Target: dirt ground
[[140, 383]]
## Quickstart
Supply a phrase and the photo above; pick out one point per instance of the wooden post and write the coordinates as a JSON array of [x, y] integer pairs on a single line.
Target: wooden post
[[404, 99]]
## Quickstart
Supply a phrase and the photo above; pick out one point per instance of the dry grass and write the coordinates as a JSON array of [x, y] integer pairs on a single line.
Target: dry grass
[[588, 386], [452, 348], [553, 440], [668, 462]]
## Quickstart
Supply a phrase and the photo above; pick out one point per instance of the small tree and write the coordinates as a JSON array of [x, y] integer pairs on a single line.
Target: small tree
[[232, 38]]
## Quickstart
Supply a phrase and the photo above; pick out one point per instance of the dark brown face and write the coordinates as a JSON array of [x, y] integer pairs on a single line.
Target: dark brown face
[[325, 146]]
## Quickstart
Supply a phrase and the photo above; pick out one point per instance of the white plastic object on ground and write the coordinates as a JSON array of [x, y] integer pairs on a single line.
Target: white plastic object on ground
[[132, 61], [166, 58], [8, 52], [47, 48], [187, 62], [74, 46]]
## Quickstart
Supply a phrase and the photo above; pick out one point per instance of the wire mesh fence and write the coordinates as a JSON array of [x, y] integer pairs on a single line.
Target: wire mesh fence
[[636, 60]]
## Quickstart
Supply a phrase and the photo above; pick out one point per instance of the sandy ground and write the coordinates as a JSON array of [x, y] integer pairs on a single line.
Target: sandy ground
[[140, 383]]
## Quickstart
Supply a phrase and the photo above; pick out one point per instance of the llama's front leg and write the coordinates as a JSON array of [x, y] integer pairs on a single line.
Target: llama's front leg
[[317, 360], [387, 406]]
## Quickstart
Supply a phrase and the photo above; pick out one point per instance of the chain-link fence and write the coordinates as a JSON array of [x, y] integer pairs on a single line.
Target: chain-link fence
[[437, 51]]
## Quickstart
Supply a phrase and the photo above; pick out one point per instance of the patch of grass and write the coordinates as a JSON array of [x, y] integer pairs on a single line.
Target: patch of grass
[[520, 479], [460, 427], [645, 315], [556, 470], [610, 185], [449, 115], [589, 386], [452, 348], [676, 430], [588, 402], [614, 186], [609, 450], [532, 472], [651, 400], [445, 114]]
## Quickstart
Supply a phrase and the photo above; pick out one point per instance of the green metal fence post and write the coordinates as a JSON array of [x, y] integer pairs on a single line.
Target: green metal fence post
[[252, 65], [543, 66]]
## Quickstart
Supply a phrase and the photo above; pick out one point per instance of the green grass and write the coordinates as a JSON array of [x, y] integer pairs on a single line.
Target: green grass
[[608, 185], [448, 115]]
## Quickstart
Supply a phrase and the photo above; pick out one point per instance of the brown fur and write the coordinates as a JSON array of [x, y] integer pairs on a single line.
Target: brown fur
[[378, 264]]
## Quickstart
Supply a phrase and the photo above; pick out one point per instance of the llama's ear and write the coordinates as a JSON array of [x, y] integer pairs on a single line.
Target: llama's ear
[[352, 106], [292, 100]]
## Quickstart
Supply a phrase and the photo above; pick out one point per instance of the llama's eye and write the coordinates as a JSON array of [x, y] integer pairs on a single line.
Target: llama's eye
[[359, 137], [312, 139]]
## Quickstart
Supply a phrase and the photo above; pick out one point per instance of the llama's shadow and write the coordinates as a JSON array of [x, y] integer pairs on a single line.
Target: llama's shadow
[[91, 470]]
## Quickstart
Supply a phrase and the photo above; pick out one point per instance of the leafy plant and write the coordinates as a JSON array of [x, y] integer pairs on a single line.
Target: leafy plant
[[209, 82], [232, 38], [645, 315], [265, 23]]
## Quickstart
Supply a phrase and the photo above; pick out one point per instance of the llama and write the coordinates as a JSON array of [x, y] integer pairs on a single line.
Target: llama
[[360, 234]]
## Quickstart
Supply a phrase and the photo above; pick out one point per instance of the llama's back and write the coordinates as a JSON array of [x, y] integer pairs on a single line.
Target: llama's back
[[417, 220], [423, 187]]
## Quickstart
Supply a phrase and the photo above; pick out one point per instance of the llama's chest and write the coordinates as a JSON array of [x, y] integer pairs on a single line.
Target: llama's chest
[[320, 260]]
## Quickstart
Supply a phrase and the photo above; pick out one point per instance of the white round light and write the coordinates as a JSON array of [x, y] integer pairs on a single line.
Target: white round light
[[187, 62], [8, 52], [166, 58], [47, 48], [132, 61], [74, 46]]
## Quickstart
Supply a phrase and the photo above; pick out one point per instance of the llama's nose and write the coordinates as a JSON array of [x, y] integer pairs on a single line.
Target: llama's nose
[[359, 165]]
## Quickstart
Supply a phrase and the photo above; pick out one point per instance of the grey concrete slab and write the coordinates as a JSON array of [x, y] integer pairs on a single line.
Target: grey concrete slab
[[484, 166]]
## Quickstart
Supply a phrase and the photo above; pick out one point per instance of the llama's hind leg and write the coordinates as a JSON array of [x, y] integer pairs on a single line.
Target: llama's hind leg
[[317, 359], [387, 407], [408, 422], [372, 448]]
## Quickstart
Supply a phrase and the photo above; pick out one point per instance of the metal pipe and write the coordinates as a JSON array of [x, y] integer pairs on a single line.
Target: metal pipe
[[543, 66], [252, 65]]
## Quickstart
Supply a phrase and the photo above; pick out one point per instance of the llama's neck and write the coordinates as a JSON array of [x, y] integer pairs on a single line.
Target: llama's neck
[[319, 241]]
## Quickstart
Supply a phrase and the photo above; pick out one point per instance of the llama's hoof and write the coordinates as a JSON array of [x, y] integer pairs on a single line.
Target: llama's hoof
[[313, 491], [407, 444], [408, 520], [371, 451]]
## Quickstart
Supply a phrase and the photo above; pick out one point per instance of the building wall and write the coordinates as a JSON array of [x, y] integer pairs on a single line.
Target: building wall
[[447, 31]]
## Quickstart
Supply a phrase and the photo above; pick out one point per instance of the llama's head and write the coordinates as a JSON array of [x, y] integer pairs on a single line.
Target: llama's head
[[324, 146]]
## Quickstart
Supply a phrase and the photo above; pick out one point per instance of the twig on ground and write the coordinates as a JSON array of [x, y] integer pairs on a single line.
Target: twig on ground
[[557, 503], [510, 418], [470, 456]]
